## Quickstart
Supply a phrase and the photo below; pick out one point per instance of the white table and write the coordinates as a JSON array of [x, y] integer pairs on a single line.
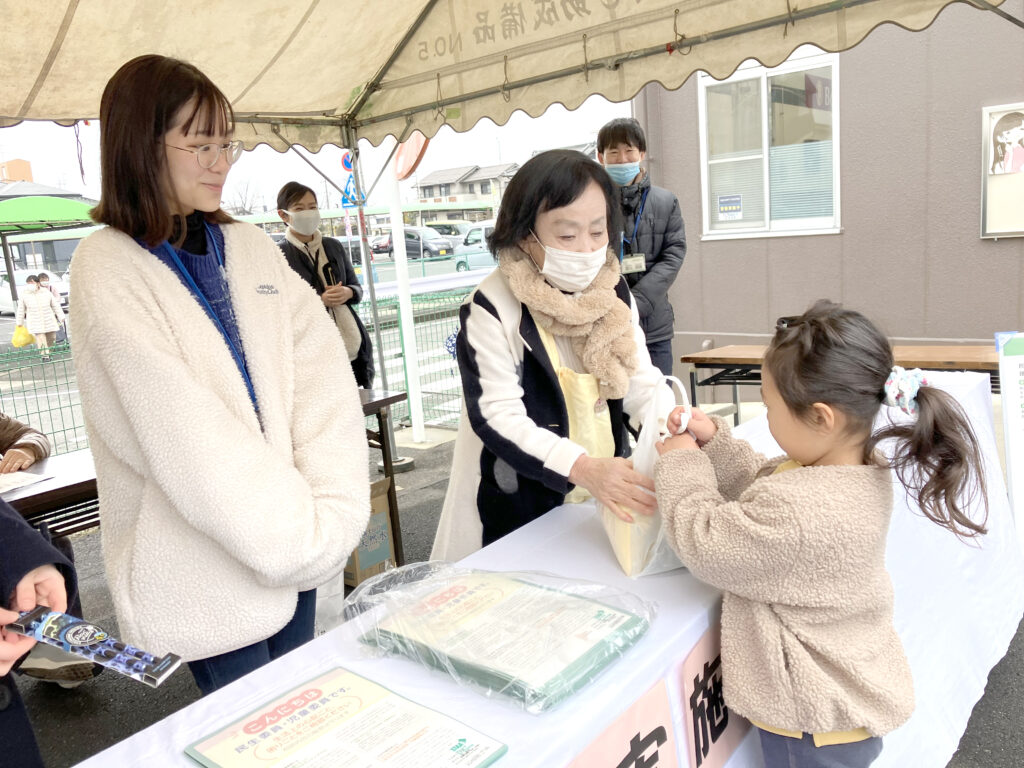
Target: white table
[[957, 608]]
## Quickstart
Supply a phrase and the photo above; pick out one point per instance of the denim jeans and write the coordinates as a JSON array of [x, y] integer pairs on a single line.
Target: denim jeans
[[787, 752], [661, 355], [217, 671]]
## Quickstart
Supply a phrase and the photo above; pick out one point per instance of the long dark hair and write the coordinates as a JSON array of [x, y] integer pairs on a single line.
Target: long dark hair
[[838, 357], [550, 180], [138, 106]]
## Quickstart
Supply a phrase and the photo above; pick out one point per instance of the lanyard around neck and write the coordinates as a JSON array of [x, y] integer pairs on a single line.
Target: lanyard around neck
[[636, 226], [172, 253]]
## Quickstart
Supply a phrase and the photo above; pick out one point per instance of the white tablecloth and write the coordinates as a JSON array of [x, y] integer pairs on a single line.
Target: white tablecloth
[[957, 608]]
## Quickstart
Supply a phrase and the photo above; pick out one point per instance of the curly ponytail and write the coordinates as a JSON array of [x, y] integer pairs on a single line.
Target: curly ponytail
[[936, 458], [839, 357]]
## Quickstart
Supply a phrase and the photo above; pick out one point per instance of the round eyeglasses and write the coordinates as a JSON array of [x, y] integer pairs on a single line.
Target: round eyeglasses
[[208, 154]]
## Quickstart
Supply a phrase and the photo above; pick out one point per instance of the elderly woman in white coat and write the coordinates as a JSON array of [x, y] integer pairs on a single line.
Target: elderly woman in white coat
[[40, 312], [553, 364], [225, 423]]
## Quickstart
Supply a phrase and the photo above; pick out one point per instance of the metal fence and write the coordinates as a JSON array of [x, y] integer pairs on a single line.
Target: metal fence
[[436, 317], [43, 392]]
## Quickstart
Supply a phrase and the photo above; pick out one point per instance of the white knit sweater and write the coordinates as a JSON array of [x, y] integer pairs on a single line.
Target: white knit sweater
[[210, 524]]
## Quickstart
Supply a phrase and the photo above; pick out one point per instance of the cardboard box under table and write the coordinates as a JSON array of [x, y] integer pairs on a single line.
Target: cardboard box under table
[[377, 545]]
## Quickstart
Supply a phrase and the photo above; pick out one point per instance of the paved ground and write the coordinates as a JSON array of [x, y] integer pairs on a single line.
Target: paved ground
[[74, 724]]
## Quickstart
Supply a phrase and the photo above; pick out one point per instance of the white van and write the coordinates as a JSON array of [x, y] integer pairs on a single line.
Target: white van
[[473, 252]]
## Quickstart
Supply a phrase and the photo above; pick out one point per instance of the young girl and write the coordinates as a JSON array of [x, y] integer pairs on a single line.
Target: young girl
[[809, 651], [223, 417]]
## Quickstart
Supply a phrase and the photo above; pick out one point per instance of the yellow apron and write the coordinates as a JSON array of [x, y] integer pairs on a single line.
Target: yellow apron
[[590, 423]]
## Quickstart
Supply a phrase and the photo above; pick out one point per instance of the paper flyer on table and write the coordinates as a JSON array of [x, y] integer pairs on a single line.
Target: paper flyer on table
[[14, 480], [522, 639], [341, 718]]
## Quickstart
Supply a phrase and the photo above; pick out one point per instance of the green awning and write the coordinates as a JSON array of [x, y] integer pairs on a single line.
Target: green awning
[[39, 212]]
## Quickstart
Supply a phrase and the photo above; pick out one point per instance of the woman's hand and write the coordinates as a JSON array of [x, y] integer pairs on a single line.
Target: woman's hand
[[683, 442], [615, 483], [336, 295], [15, 459], [701, 426]]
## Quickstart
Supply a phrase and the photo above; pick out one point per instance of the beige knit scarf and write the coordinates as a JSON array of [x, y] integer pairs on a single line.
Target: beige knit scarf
[[343, 317], [597, 322]]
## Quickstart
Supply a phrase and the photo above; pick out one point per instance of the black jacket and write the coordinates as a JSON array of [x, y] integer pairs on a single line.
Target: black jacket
[[22, 549], [505, 506], [661, 237], [300, 261]]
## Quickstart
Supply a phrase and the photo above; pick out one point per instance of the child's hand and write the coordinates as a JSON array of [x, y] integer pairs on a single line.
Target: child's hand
[[701, 426], [675, 419], [684, 442]]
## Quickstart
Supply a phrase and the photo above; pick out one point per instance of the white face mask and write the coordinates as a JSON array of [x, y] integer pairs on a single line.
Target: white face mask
[[571, 271], [304, 222]]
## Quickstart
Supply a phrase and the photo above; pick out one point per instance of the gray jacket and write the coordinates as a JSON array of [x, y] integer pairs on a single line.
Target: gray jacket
[[661, 237]]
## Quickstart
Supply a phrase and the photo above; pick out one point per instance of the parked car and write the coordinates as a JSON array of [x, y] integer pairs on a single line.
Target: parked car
[[380, 243], [453, 230], [8, 306], [473, 252], [423, 242]]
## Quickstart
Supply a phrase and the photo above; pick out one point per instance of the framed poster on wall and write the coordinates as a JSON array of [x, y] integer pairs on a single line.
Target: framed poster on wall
[[1002, 172]]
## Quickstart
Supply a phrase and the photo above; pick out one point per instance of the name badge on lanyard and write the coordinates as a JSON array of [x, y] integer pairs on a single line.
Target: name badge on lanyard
[[635, 263]]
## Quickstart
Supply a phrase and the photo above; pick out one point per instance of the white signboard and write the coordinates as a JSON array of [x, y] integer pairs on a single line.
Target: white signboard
[[1011, 384]]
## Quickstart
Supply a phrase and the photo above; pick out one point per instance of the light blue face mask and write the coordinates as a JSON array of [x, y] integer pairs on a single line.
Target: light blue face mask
[[622, 173]]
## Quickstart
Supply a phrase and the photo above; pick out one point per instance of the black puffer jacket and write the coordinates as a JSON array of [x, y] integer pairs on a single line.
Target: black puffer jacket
[[661, 237]]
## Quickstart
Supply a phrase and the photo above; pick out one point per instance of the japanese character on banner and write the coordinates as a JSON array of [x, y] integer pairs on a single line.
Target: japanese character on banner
[[707, 709], [483, 32], [642, 736], [513, 20], [714, 732]]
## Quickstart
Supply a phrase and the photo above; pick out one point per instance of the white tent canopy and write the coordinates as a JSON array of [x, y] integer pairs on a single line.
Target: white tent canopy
[[328, 71]]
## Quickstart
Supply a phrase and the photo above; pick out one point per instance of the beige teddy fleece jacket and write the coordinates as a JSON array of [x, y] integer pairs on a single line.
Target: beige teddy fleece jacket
[[808, 642]]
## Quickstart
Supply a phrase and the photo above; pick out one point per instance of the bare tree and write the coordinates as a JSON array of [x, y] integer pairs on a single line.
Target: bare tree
[[243, 202]]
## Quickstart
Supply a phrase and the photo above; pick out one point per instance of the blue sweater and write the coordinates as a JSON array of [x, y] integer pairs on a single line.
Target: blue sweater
[[210, 279]]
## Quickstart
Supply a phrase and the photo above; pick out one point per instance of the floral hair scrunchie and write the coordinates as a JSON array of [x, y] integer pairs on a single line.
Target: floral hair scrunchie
[[901, 388]]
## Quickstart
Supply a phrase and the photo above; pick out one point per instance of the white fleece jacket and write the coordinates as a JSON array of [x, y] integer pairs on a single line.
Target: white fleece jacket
[[210, 525]]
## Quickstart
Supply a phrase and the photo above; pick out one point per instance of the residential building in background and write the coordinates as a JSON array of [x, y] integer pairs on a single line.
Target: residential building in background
[[467, 184]]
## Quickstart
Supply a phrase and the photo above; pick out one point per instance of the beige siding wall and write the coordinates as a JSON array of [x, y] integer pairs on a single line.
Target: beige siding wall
[[909, 255]]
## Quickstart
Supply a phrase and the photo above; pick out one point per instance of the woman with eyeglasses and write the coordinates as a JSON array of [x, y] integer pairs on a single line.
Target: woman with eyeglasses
[[228, 490]]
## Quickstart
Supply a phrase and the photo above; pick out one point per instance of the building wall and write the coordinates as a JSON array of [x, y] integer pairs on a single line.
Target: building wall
[[909, 255]]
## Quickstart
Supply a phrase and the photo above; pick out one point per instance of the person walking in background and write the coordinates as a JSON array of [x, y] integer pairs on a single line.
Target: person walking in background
[[224, 421], [652, 243], [44, 285], [40, 313], [323, 263]]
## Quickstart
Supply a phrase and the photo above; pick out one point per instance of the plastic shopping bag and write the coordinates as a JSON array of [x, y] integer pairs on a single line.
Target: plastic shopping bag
[[641, 547], [21, 337]]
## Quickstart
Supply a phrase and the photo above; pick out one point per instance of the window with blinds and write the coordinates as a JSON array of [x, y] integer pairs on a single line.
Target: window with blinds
[[769, 148]]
